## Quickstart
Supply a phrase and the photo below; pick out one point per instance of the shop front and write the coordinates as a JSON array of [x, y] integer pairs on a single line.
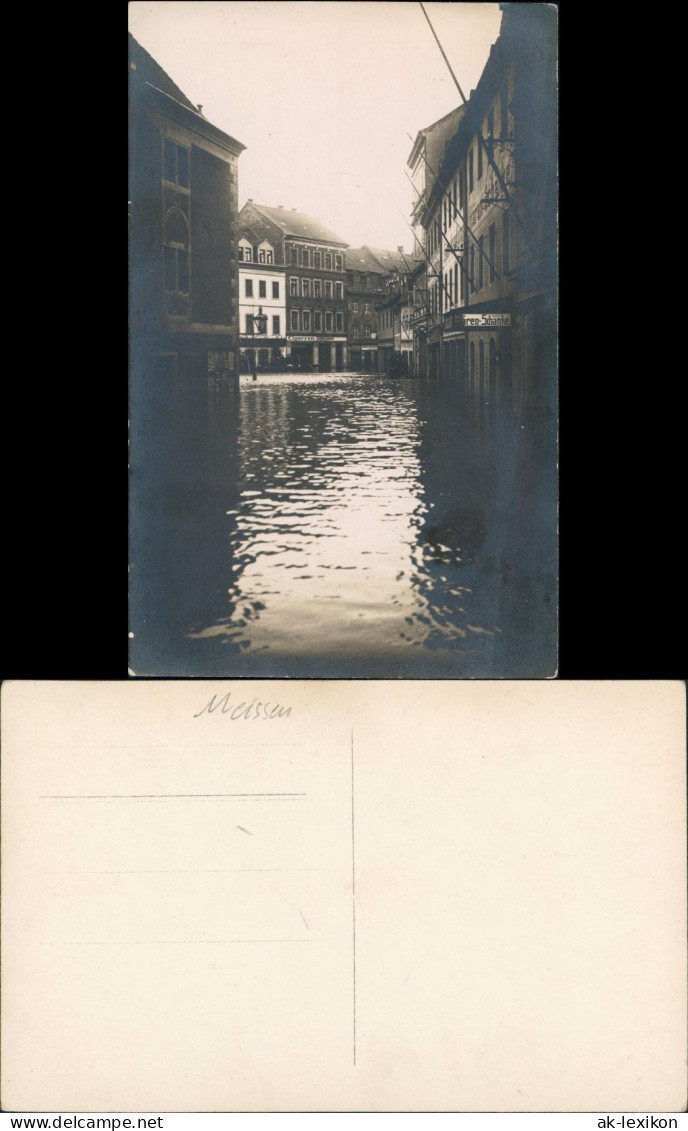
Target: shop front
[[259, 353], [478, 347], [308, 352]]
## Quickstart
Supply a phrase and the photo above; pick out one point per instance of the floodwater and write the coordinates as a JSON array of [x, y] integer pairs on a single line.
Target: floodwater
[[344, 525]]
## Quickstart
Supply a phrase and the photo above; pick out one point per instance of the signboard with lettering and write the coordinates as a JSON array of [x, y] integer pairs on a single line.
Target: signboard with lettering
[[462, 320], [301, 338]]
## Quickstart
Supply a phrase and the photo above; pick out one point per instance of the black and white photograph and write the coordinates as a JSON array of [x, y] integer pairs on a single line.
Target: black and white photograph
[[343, 340]]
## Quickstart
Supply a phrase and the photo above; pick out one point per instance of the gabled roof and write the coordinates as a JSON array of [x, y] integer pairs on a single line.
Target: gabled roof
[[375, 260], [299, 224], [249, 233], [390, 260], [151, 72], [148, 78], [436, 137], [362, 259]]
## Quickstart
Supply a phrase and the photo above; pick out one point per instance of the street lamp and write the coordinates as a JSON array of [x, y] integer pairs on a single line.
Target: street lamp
[[259, 324]]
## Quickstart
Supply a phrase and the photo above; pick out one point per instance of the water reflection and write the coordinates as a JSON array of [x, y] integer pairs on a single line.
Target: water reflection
[[346, 525]]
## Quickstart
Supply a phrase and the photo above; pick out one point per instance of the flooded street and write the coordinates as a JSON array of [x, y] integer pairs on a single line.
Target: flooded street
[[345, 525]]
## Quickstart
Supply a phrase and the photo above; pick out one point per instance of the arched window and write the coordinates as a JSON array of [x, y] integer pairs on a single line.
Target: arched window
[[492, 363], [176, 251], [481, 363], [472, 361]]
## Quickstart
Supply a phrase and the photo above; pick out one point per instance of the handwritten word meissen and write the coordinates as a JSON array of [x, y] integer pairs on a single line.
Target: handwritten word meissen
[[244, 710]]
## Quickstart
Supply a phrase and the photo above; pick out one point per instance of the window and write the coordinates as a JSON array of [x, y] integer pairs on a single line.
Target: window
[[328, 289], [275, 290], [317, 320], [492, 362], [249, 324], [305, 258], [506, 236], [294, 256], [480, 155], [305, 287], [316, 259], [470, 171], [473, 269], [294, 319], [261, 255], [293, 286], [317, 288], [366, 331], [276, 324], [490, 123], [328, 261], [481, 262], [262, 289], [462, 188], [354, 306], [492, 252], [248, 288], [175, 163], [366, 308], [337, 262], [268, 257], [340, 321], [176, 252], [306, 319], [177, 270], [339, 290], [354, 330], [355, 279], [328, 319], [454, 196], [456, 283], [461, 282]]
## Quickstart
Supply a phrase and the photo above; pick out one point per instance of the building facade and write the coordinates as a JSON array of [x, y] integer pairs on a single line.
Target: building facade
[[489, 217], [423, 162], [262, 291], [313, 259], [395, 313], [183, 236], [369, 270]]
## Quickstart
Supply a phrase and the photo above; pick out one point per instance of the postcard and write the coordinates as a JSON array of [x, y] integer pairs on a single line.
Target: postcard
[[357, 896], [343, 340]]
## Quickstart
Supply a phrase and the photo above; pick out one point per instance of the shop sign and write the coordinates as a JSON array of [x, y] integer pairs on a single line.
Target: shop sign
[[465, 321]]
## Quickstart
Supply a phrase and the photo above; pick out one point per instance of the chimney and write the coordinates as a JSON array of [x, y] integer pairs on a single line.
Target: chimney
[[250, 200], [293, 210], [200, 107], [281, 206], [401, 249]]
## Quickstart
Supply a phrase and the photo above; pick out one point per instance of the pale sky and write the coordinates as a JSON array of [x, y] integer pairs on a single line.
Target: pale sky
[[324, 95]]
